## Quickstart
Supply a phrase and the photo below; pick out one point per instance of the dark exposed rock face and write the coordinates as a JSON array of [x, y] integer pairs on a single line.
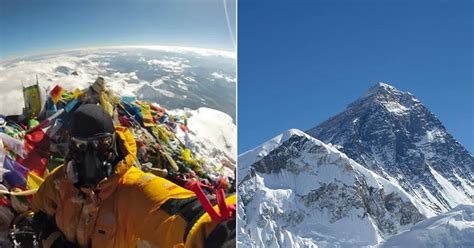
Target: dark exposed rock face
[[393, 134]]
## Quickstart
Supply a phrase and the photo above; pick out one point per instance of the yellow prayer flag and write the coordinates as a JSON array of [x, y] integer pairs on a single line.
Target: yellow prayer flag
[[34, 181]]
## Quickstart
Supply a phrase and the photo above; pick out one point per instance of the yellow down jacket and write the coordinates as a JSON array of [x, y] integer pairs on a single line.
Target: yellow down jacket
[[128, 208]]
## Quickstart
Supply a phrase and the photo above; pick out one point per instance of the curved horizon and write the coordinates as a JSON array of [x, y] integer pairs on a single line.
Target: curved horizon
[[201, 50], [31, 27]]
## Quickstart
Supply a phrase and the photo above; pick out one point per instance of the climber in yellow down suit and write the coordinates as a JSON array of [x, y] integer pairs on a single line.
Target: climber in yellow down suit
[[98, 198]]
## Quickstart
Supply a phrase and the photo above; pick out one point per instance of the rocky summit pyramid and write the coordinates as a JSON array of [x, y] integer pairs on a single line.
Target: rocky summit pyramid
[[391, 133]]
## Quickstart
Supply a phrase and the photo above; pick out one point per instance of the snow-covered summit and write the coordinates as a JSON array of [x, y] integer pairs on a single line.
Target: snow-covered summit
[[251, 156], [379, 88], [387, 96]]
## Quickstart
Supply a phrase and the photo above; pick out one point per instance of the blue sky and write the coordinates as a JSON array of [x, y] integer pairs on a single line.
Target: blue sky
[[32, 26], [303, 62]]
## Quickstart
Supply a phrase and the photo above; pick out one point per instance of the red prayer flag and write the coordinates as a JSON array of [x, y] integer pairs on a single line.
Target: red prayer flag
[[56, 93], [37, 152]]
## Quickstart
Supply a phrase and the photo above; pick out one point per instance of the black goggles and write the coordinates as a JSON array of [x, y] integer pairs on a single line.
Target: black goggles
[[100, 142]]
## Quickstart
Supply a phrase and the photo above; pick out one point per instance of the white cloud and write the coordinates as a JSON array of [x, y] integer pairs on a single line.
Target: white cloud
[[166, 93], [183, 50], [229, 79], [169, 65], [181, 84], [24, 72]]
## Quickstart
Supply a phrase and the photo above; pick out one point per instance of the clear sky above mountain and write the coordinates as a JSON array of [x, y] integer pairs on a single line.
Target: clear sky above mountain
[[303, 62], [29, 26]]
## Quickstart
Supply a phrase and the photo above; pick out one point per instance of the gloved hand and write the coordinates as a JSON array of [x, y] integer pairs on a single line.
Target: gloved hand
[[21, 231], [48, 233], [223, 235], [56, 240]]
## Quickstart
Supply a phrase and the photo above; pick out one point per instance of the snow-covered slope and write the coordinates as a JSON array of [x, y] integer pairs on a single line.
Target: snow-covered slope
[[391, 133], [212, 135], [451, 229], [296, 191]]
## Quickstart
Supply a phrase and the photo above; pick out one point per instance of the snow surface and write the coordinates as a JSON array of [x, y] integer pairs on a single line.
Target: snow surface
[[213, 136], [450, 193], [396, 108], [451, 229], [379, 87]]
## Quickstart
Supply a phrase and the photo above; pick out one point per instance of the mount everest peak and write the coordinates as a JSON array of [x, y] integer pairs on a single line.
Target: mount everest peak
[[393, 134]]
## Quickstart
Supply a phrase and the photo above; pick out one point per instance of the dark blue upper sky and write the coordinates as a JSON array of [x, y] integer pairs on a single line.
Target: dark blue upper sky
[[301, 62], [31, 26]]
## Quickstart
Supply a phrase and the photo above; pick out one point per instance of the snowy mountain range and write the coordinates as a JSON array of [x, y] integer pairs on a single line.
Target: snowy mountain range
[[358, 179]]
